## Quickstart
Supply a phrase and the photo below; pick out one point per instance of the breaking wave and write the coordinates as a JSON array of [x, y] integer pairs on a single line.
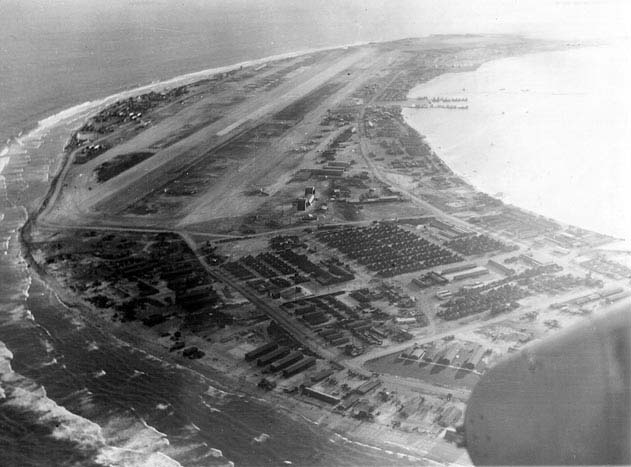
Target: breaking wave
[[120, 442]]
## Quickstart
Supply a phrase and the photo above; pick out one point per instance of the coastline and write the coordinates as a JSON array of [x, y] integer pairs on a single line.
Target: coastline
[[142, 341], [92, 106], [458, 151]]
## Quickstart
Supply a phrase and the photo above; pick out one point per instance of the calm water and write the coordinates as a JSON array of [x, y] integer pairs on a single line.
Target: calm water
[[548, 132]]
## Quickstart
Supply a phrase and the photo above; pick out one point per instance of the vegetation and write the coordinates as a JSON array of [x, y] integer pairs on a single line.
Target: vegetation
[[119, 164]]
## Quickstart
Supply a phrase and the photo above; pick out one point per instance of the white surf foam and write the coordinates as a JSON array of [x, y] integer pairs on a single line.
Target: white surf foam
[[130, 447], [16, 315], [400, 455], [261, 438], [47, 345], [139, 444], [92, 346], [210, 407], [50, 363], [82, 111], [4, 160], [217, 393], [194, 427]]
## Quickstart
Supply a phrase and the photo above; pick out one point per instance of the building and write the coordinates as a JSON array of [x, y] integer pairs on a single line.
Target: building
[[328, 331], [292, 292], [320, 375], [285, 361], [310, 190], [477, 272], [301, 204], [429, 355], [443, 294], [475, 358], [363, 410], [322, 396], [339, 341], [449, 354], [460, 268], [273, 355], [408, 353], [405, 320], [299, 366], [338, 165], [348, 402], [327, 172], [366, 387], [86, 135], [262, 350], [453, 436], [417, 353], [500, 267]]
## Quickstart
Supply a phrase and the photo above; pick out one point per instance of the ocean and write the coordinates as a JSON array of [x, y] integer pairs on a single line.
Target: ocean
[[71, 394], [55, 56], [548, 132]]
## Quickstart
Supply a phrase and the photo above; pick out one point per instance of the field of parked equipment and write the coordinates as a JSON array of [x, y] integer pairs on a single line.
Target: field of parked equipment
[[477, 245], [387, 249]]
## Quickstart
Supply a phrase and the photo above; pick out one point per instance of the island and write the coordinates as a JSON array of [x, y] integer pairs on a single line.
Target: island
[[281, 229]]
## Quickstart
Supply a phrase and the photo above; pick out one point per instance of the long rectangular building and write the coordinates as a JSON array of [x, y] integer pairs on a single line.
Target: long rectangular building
[[285, 361], [261, 350], [368, 386], [460, 268], [299, 366], [502, 268], [271, 356], [477, 272], [323, 396]]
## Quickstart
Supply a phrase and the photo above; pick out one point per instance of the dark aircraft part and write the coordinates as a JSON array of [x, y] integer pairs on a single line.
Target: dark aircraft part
[[565, 400]]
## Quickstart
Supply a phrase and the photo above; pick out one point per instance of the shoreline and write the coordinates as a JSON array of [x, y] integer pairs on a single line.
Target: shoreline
[[93, 105], [142, 342], [297, 410], [508, 199]]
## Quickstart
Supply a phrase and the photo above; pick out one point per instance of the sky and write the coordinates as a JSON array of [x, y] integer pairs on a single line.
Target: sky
[[57, 52], [566, 18]]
